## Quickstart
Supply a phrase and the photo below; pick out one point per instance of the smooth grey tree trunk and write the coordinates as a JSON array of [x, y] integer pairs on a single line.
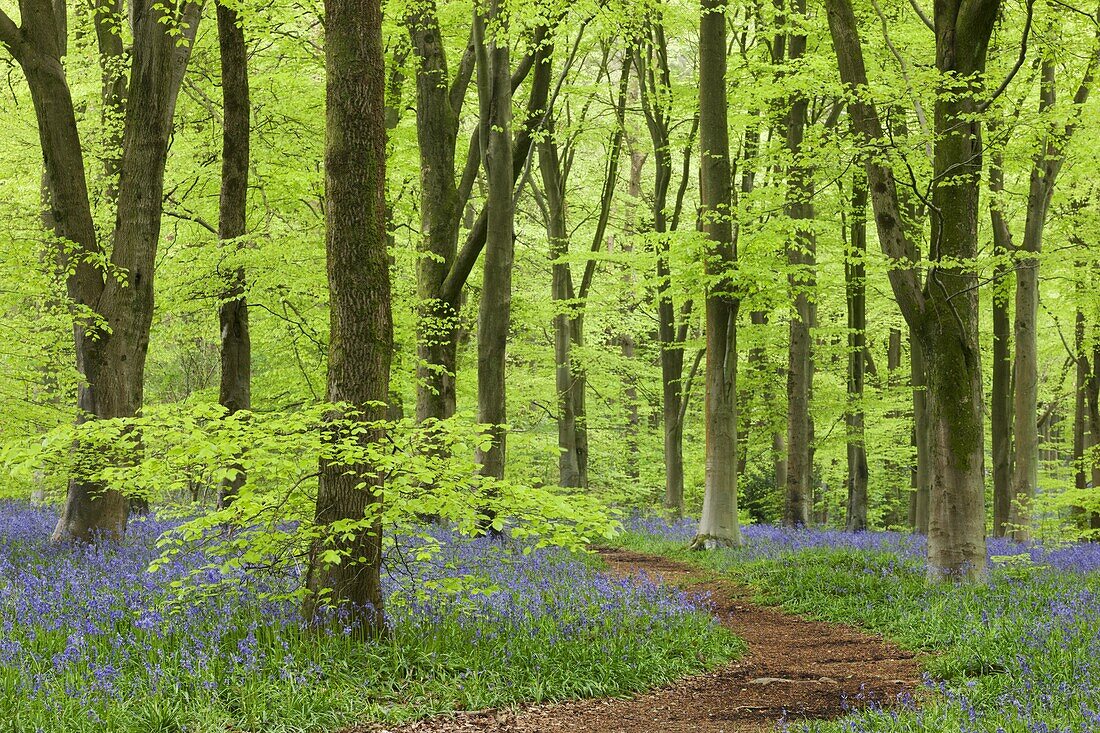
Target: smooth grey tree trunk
[[718, 525], [802, 280], [494, 315]]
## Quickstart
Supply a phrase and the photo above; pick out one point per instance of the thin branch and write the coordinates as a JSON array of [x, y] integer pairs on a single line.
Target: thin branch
[[1019, 60], [922, 15]]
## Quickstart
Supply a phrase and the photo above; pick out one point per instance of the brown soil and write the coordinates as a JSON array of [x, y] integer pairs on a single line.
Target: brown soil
[[794, 669]]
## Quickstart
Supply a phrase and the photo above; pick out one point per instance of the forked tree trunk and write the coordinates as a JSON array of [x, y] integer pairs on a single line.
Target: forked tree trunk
[[361, 327], [494, 316], [718, 525], [856, 281], [440, 211], [943, 315], [235, 392], [111, 343]]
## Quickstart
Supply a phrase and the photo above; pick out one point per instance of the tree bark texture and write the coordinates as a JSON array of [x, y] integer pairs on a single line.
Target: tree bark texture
[[235, 389], [360, 322], [943, 314], [719, 522], [494, 316], [113, 313]]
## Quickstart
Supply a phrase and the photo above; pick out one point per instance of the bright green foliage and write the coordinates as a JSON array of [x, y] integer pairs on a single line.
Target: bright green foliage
[[179, 455]]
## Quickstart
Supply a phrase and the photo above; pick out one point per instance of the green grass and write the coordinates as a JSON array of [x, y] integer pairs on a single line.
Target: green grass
[[91, 642], [1020, 653]]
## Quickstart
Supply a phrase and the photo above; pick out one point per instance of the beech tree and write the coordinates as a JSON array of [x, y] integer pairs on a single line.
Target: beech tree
[[235, 389], [944, 312], [112, 293], [346, 556], [719, 523]]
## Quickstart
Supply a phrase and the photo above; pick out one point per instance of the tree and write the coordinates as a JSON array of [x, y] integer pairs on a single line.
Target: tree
[[654, 82], [801, 259], [235, 389], [1046, 165], [856, 285], [361, 324], [494, 315], [113, 304], [718, 525], [944, 312]]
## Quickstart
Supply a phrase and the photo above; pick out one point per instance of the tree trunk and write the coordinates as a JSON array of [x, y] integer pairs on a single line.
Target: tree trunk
[[949, 329], [1001, 397], [236, 349], [800, 259], [361, 327], [1046, 165], [111, 342], [1092, 404], [856, 281], [1080, 412], [569, 413], [674, 493], [440, 213], [718, 525], [654, 80], [943, 315], [922, 437], [494, 317]]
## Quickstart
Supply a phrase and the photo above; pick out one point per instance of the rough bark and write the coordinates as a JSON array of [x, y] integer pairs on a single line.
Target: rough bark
[[800, 260], [235, 389], [718, 525], [856, 282], [361, 328], [494, 315]]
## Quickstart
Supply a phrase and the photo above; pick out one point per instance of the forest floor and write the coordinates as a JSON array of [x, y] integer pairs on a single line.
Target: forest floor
[[795, 669]]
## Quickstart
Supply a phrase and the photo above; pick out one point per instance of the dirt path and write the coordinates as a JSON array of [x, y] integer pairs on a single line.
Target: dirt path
[[794, 668]]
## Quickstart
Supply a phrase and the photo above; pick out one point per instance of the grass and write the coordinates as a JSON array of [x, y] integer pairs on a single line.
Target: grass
[[90, 641], [1021, 653]]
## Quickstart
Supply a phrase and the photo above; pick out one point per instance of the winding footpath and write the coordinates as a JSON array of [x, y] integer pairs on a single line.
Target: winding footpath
[[794, 669]]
